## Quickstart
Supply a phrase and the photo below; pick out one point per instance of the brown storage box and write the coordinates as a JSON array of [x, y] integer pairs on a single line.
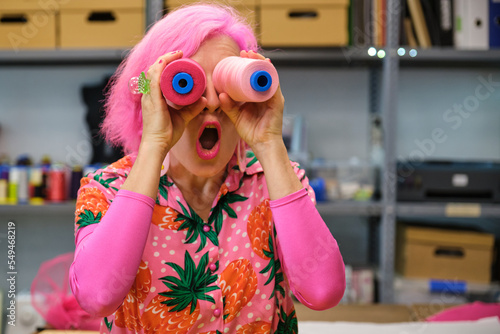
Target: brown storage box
[[25, 24], [443, 254], [247, 8], [302, 23], [101, 24]]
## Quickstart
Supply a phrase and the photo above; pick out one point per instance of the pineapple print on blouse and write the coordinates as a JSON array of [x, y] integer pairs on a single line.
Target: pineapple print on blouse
[[222, 275]]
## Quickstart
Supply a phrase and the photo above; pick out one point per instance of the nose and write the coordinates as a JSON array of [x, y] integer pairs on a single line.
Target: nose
[[213, 103]]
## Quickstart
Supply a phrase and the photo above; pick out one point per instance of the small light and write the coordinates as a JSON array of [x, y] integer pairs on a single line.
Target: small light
[[401, 52], [372, 51], [413, 53], [381, 53]]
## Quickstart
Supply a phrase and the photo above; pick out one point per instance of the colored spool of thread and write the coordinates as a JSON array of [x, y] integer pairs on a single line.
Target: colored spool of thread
[[36, 186], [13, 185], [4, 184], [23, 185], [57, 184], [183, 82], [246, 80], [76, 176]]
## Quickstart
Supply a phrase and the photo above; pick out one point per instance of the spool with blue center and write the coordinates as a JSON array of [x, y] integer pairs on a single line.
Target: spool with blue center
[[261, 81], [182, 83]]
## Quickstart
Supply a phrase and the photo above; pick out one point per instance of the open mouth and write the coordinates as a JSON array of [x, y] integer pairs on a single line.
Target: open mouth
[[208, 143]]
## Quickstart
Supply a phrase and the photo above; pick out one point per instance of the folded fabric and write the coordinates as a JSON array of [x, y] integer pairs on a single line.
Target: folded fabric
[[473, 311]]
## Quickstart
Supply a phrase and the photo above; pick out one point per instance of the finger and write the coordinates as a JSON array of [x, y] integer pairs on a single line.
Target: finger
[[255, 55], [229, 107], [189, 112], [155, 71], [163, 61]]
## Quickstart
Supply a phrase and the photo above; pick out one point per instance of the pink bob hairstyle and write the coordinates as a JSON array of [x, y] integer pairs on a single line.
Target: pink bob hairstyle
[[183, 29]]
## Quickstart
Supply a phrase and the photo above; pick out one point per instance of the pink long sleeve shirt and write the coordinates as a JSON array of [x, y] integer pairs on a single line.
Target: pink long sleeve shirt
[[149, 267]]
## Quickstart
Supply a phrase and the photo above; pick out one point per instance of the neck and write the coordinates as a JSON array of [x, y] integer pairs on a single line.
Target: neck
[[198, 191]]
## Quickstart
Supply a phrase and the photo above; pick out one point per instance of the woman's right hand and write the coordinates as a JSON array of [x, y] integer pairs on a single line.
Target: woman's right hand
[[163, 125]]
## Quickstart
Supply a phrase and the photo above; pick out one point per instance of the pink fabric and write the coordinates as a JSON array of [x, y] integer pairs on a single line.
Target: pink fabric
[[51, 298], [108, 254], [468, 312], [127, 251], [312, 262]]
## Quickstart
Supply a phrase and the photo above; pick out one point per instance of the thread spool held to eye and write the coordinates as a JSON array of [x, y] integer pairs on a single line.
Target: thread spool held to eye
[[183, 82], [245, 79]]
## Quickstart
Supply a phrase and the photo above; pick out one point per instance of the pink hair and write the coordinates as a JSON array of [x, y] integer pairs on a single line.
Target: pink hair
[[183, 29]]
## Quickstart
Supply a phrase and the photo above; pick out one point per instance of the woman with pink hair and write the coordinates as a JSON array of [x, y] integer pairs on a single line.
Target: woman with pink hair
[[205, 226]]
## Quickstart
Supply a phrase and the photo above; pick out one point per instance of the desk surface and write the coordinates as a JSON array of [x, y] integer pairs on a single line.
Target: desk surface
[[376, 313], [373, 313]]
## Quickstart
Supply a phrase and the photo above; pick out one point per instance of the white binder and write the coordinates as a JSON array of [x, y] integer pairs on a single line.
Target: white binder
[[471, 24]]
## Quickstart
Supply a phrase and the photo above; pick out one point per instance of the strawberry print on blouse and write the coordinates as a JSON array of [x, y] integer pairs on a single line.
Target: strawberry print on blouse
[[222, 275]]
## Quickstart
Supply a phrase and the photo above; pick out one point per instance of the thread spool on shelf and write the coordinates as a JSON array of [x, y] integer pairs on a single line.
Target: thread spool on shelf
[[246, 80]]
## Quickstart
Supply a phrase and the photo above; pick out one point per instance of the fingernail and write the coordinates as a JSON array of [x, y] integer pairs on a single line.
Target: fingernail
[[161, 61], [174, 52]]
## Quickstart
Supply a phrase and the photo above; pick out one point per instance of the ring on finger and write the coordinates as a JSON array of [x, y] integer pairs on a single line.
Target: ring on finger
[[143, 84]]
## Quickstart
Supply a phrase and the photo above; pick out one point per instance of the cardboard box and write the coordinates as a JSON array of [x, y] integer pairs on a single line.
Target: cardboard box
[[300, 23], [247, 8], [101, 24], [25, 24], [446, 254]]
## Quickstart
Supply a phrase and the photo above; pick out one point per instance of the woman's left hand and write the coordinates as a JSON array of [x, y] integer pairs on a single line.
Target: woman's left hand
[[257, 123]]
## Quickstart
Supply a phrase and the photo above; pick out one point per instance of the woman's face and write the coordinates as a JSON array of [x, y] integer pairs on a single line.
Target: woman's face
[[210, 139]]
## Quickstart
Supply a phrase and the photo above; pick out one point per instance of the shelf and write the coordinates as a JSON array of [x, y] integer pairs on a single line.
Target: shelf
[[52, 208], [339, 56], [358, 56], [62, 57], [343, 208], [286, 56], [444, 57], [349, 208], [450, 210]]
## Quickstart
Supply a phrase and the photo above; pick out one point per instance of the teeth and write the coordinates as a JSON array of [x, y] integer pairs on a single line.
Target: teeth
[[210, 127]]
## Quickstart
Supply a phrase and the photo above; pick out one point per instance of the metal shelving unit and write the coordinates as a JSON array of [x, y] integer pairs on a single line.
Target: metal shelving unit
[[448, 210], [350, 208], [62, 57], [66, 208], [388, 110]]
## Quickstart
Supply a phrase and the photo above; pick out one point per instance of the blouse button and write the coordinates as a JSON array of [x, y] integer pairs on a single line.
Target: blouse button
[[213, 267], [206, 228], [217, 312]]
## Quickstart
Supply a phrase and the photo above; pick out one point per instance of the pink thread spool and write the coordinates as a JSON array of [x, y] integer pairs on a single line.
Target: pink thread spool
[[183, 82], [245, 79]]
